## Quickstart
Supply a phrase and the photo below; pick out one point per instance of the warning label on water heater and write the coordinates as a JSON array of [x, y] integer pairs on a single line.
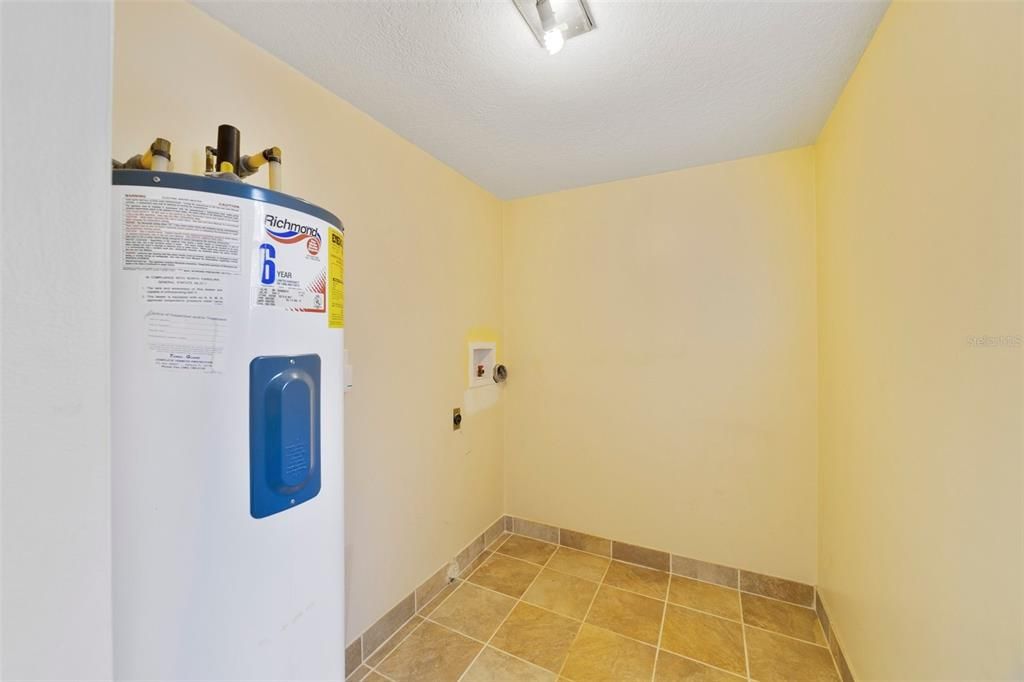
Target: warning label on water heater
[[178, 230], [336, 279], [290, 263]]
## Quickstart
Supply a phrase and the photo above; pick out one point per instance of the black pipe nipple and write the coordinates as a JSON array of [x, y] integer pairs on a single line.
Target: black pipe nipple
[[229, 144]]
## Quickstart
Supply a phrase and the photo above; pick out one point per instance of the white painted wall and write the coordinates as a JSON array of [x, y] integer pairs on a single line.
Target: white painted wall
[[55, 91]]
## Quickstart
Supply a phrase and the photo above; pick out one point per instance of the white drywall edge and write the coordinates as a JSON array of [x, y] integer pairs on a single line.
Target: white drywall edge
[[55, 99]]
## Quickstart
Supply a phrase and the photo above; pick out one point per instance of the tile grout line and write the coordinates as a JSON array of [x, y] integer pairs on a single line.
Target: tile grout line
[[741, 622], [416, 611], [485, 646], [743, 631], [592, 600], [795, 639], [373, 668], [661, 628], [425, 618], [624, 589], [519, 600], [704, 663], [706, 613], [764, 596], [703, 612], [657, 647], [828, 634], [586, 613], [603, 584], [589, 607], [661, 625], [599, 584], [828, 638], [480, 641], [402, 641], [783, 634], [556, 613]]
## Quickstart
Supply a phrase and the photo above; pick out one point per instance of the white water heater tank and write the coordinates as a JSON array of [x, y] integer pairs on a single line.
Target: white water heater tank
[[228, 530]]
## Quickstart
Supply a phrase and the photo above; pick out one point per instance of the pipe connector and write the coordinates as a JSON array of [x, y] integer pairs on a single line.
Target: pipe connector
[[157, 157], [252, 164], [160, 148], [211, 159]]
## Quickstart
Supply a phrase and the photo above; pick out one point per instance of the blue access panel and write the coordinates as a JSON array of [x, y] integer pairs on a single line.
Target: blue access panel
[[284, 432]]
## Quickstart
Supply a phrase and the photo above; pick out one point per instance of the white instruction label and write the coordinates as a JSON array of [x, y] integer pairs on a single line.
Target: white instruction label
[[188, 288], [186, 343], [179, 230], [289, 261]]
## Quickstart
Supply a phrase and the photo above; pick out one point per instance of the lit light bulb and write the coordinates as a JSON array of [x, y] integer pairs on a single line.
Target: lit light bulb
[[554, 41]]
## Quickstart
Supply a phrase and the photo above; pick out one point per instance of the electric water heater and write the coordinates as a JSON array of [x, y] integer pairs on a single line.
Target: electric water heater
[[228, 533]]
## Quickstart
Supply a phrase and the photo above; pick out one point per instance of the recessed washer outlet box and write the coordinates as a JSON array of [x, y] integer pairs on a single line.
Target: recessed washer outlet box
[[481, 363], [573, 13]]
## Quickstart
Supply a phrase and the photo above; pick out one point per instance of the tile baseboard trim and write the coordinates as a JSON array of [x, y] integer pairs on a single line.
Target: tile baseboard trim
[[390, 628], [774, 587], [828, 626]]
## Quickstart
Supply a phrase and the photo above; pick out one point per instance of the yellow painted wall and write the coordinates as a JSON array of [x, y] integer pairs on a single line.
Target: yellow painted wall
[[423, 269], [661, 342], [919, 192]]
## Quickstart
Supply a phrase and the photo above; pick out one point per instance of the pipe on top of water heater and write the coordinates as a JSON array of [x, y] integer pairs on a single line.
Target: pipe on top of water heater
[[229, 141], [226, 158], [157, 157], [270, 156]]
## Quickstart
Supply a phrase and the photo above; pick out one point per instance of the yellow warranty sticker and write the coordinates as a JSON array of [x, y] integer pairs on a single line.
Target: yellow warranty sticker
[[336, 279]]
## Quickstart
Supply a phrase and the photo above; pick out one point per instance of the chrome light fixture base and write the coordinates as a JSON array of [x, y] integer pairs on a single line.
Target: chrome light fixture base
[[573, 14]]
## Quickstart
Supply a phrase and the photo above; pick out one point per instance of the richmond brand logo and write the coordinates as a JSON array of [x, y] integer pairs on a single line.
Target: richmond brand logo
[[286, 232]]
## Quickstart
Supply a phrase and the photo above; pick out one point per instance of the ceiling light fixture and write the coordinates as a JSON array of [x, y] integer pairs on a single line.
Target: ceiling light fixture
[[554, 40], [555, 21]]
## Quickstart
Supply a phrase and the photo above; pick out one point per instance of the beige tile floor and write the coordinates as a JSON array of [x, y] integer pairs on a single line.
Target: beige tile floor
[[530, 610]]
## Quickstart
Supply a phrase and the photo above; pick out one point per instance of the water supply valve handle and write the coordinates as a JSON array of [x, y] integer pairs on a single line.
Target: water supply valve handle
[[500, 374]]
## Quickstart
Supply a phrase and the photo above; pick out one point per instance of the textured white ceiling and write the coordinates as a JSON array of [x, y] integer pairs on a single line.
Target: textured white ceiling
[[657, 86]]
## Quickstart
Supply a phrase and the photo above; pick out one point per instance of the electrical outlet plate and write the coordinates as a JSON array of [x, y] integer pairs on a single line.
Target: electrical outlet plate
[[573, 13]]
